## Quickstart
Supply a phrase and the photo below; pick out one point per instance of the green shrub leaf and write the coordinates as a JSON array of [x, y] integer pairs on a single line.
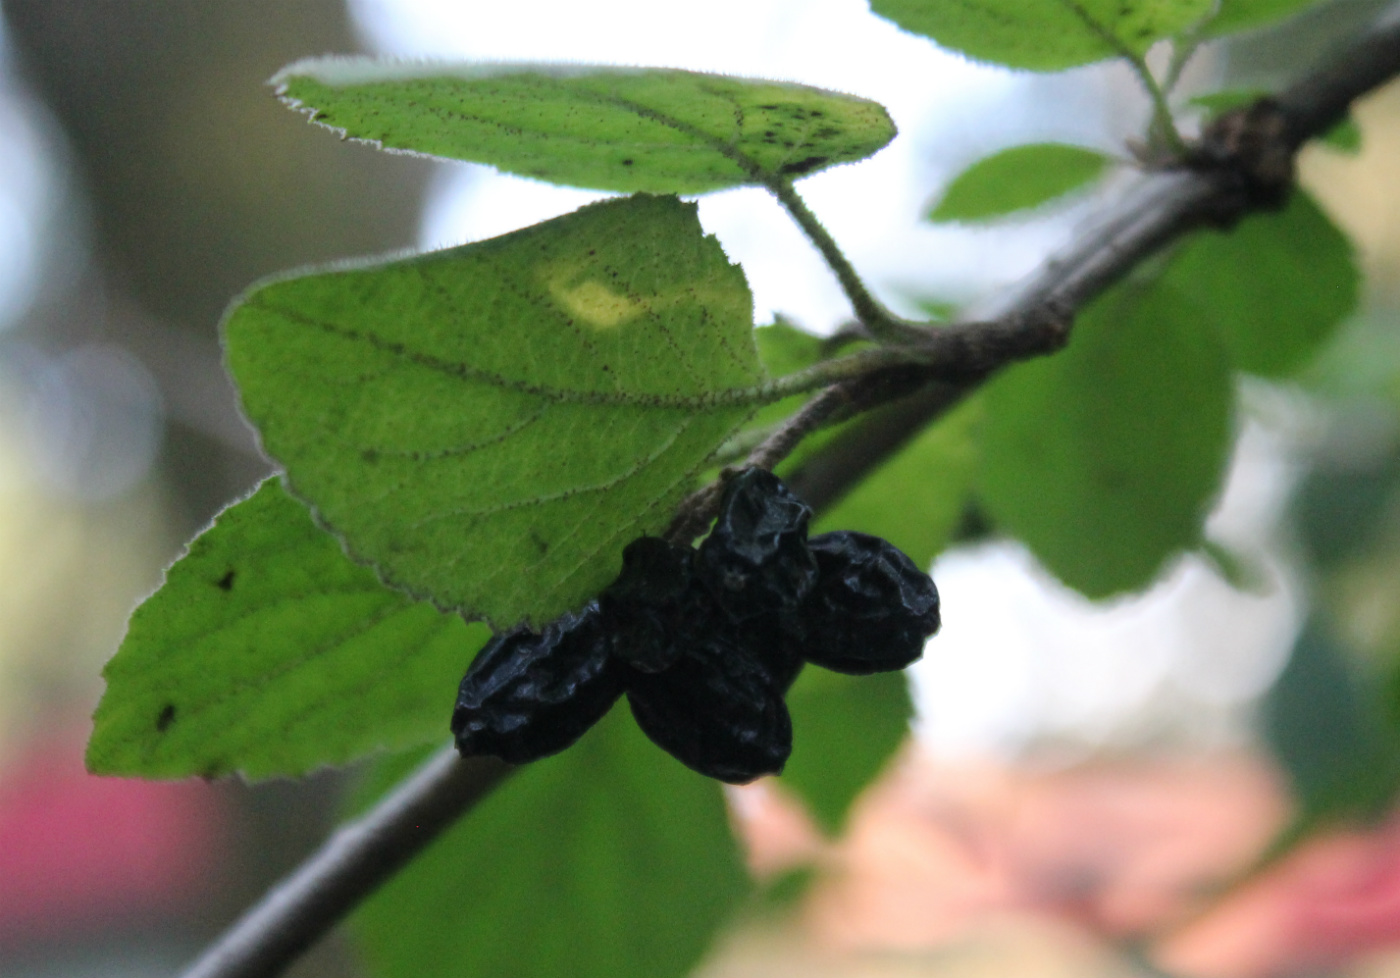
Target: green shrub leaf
[[1105, 457], [916, 497], [845, 729], [1243, 15], [1276, 286], [490, 425], [627, 129], [1017, 179], [268, 652], [1328, 733], [1044, 35], [609, 860]]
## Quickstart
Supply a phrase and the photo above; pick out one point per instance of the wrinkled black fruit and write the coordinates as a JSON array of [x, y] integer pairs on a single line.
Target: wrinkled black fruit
[[705, 643], [717, 710], [756, 561], [871, 609], [527, 696], [652, 607]]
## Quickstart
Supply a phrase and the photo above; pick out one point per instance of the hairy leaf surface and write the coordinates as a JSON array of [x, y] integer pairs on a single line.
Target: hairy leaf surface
[[1044, 35], [1105, 457], [267, 651], [609, 860], [490, 425], [1018, 179], [1276, 286], [916, 497], [628, 129], [845, 729]]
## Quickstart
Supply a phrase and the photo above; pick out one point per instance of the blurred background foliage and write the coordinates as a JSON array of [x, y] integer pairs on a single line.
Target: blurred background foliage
[[150, 178]]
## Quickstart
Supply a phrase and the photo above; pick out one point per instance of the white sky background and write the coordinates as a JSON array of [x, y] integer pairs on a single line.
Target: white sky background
[[1020, 660]]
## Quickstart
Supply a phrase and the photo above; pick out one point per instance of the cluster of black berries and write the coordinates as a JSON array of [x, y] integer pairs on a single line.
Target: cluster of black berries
[[704, 642]]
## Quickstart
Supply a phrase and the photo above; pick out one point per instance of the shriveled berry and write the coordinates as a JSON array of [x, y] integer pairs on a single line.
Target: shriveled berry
[[651, 605], [527, 696], [717, 710], [756, 560], [871, 609]]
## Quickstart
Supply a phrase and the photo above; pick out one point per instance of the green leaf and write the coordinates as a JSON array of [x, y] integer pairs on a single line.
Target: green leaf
[[784, 349], [609, 860], [1044, 35], [1104, 458], [626, 129], [490, 425], [1017, 179], [1218, 103], [268, 652], [845, 729], [916, 498], [1344, 137], [1327, 732], [1243, 15], [1276, 286]]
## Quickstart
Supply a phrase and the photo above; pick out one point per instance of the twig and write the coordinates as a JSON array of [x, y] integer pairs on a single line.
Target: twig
[[879, 321], [362, 854], [348, 867]]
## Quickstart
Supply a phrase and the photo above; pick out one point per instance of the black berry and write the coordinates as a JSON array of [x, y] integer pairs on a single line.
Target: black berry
[[871, 610], [527, 696], [651, 608], [756, 559], [705, 643], [717, 710]]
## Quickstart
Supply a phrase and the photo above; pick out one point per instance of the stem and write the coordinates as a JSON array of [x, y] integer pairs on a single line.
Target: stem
[[1162, 129], [349, 867], [1163, 126], [882, 324], [829, 372]]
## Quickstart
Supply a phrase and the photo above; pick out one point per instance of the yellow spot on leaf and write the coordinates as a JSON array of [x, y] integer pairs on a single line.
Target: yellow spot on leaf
[[598, 305]]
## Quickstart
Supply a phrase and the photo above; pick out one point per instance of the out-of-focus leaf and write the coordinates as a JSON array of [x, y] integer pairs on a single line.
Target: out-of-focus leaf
[[1105, 458], [1342, 508], [1044, 35], [609, 860], [1017, 179], [1344, 137], [490, 425], [784, 349], [1327, 732], [915, 498], [1218, 103], [267, 651], [657, 130], [1275, 287], [844, 731], [1243, 15]]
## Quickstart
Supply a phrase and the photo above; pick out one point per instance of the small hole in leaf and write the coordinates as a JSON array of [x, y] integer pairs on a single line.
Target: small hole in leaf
[[225, 583], [166, 718]]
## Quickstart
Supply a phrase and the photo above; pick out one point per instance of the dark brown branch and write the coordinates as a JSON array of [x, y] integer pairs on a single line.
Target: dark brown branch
[[349, 867], [1033, 320]]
